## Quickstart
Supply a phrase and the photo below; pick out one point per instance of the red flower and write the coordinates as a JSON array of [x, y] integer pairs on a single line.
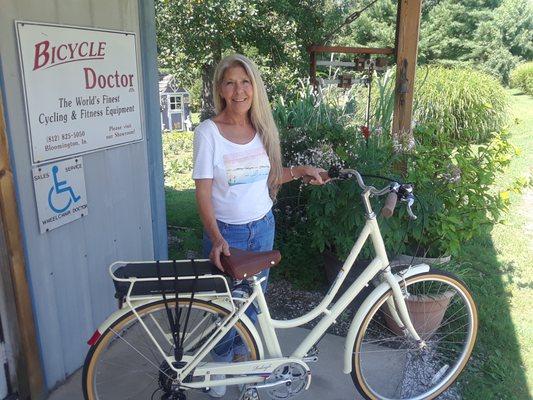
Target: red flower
[[365, 130]]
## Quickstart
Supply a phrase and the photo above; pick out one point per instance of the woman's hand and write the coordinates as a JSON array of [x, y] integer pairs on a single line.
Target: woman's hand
[[313, 175], [220, 246]]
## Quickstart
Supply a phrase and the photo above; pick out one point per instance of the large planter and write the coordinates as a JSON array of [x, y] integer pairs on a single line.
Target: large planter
[[426, 313]]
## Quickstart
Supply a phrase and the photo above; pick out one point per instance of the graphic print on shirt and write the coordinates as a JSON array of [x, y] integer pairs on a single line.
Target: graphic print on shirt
[[246, 166]]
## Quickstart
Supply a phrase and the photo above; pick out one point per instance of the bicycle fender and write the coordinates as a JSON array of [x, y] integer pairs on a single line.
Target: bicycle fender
[[114, 317], [365, 308], [126, 309], [249, 324]]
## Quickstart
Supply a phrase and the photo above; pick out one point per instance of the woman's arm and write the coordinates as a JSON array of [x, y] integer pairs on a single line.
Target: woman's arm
[[207, 215], [297, 172]]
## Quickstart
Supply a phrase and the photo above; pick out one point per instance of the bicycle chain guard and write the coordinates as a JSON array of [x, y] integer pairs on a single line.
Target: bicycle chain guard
[[298, 379]]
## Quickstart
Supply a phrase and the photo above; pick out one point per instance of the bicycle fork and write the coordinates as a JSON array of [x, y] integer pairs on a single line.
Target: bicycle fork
[[398, 308]]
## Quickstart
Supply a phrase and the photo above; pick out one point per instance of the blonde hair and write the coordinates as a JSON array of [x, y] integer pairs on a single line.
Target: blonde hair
[[260, 114]]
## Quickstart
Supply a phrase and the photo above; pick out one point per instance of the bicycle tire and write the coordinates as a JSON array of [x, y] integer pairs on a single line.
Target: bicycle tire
[[124, 359], [388, 365]]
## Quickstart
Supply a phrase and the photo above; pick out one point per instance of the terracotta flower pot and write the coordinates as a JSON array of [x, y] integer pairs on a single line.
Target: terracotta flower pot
[[426, 313]]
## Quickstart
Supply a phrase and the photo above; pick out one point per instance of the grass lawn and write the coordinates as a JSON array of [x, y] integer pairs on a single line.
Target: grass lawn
[[496, 266], [183, 221], [500, 274]]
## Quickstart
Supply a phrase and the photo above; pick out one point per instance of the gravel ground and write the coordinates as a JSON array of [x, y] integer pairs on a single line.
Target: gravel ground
[[285, 302]]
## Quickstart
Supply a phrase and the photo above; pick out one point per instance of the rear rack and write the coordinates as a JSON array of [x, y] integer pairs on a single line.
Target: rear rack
[[138, 280]]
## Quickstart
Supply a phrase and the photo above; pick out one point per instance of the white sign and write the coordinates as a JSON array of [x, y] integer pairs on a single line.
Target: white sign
[[81, 87], [60, 193]]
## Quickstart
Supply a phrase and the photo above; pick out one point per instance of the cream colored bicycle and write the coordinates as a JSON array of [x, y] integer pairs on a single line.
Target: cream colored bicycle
[[411, 336]]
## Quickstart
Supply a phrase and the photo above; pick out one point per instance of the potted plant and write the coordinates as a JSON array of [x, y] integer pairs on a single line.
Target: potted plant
[[426, 313]]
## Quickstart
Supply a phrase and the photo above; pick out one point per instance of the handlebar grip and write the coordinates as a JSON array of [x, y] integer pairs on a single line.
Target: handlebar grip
[[390, 204]]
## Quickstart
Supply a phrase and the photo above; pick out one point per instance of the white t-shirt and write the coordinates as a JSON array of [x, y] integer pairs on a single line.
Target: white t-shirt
[[239, 172]]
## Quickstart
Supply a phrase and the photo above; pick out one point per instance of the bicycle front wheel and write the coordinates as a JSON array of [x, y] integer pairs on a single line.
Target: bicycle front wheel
[[387, 364], [126, 364]]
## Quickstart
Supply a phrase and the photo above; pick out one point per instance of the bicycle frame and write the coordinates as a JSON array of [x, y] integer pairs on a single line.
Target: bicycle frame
[[257, 371], [268, 326]]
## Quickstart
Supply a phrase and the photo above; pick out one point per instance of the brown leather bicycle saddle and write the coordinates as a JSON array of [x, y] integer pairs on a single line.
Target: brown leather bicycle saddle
[[244, 264]]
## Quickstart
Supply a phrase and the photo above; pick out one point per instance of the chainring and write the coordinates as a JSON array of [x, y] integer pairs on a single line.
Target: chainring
[[298, 378]]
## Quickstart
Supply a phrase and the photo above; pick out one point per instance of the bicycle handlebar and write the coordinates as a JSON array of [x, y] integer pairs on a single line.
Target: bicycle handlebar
[[396, 191]]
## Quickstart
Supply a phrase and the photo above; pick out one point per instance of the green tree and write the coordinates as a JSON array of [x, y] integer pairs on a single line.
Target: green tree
[[448, 31], [507, 39], [193, 36], [491, 35], [376, 27], [515, 20]]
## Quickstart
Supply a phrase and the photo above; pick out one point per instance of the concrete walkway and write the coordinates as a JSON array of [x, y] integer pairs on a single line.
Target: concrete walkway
[[328, 381]]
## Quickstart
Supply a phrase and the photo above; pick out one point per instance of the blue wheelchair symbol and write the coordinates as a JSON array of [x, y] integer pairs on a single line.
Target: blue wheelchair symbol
[[58, 188]]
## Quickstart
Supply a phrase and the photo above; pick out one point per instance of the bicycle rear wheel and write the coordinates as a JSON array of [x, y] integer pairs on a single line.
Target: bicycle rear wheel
[[126, 364], [389, 365]]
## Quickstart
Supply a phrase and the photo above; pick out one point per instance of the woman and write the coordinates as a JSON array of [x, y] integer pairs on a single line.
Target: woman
[[238, 172]]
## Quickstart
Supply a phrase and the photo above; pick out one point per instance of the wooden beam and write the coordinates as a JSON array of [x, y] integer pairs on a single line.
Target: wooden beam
[[324, 63], [406, 55], [30, 380], [350, 50]]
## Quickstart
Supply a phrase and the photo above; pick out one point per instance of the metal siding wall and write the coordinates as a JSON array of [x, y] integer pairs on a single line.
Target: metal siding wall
[[153, 127], [72, 291]]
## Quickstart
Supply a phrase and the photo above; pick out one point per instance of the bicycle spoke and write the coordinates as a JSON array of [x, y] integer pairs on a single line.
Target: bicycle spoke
[[415, 371], [138, 352], [132, 366]]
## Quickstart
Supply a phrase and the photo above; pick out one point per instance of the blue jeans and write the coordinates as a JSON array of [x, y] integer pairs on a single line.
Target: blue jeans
[[253, 236]]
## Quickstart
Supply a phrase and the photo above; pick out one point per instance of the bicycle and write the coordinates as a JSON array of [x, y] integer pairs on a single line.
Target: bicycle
[[174, 313]]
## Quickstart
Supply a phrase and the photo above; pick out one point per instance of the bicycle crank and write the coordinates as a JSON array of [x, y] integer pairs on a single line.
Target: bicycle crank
[[287, 381]]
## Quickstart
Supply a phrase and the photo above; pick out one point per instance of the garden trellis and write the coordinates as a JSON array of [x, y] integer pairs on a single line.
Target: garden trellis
[[347, 66], [404, 54]]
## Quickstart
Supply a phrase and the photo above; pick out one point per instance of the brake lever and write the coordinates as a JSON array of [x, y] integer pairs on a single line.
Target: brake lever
[[410, 200]]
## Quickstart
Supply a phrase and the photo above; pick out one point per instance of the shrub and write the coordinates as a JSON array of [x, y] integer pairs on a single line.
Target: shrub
[[335, 211], [317, 129], [453, 175], [177, 159], [453, 183], [522, 78], [464, 104]]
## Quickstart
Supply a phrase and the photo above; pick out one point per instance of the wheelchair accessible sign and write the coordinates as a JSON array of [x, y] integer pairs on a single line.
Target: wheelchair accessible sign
[[60, 193]]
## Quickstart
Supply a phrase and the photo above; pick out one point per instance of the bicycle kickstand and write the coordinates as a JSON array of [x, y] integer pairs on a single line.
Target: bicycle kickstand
[[249, 393]]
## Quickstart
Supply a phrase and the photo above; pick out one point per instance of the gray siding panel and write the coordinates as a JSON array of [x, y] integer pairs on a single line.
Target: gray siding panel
[[153, 127], [71, 290]]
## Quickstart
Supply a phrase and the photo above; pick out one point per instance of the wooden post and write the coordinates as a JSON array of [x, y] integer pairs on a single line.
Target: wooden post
[[30, 382], [312, 69], [408, 23]]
